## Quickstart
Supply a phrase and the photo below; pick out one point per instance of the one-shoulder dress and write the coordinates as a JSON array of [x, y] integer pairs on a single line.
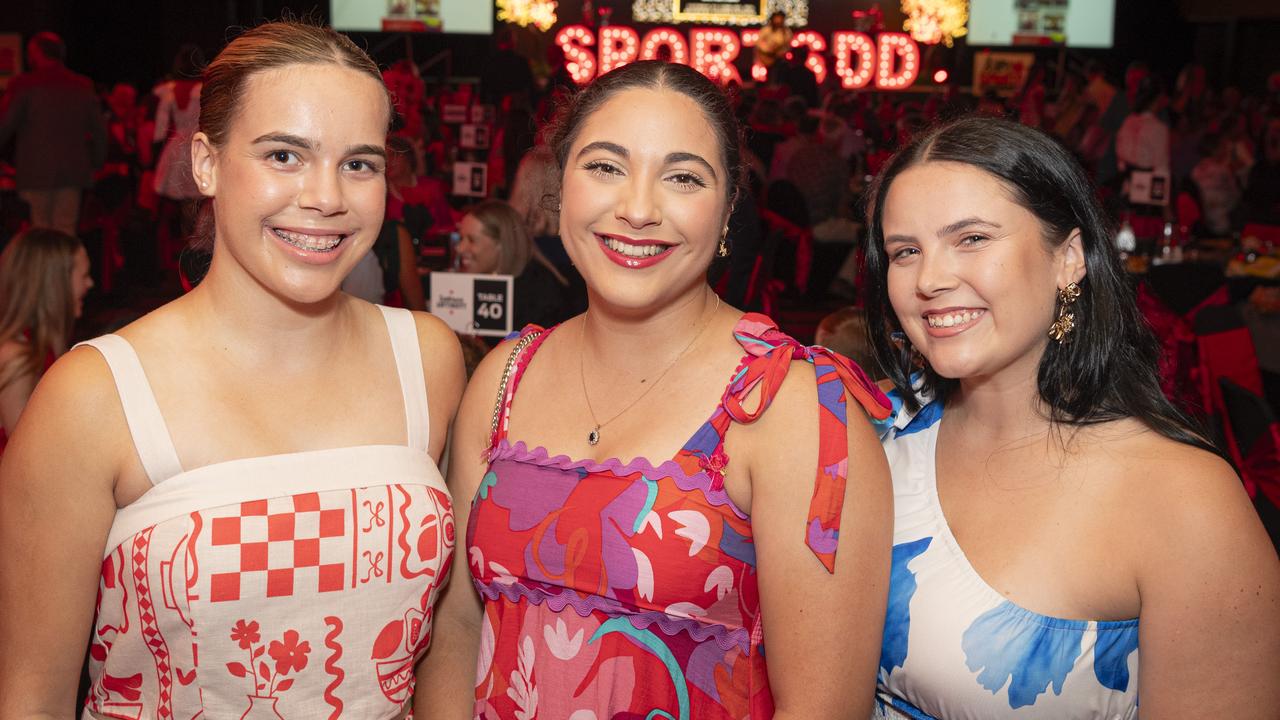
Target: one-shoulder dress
[[628, 590], [954, 647]]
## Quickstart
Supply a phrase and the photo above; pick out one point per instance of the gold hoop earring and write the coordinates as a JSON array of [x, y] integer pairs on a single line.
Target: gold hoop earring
[[1062, 328]]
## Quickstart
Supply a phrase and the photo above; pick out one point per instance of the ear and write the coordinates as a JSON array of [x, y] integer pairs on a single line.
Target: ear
[[1070, 259], [204, 165]]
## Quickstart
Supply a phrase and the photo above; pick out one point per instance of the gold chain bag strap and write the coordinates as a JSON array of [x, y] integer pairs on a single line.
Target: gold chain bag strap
[[500, 407]]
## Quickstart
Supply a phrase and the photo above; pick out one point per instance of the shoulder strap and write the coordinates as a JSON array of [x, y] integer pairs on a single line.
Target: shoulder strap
[[839, 381], [530, 338], [146, 424], [413, 385]]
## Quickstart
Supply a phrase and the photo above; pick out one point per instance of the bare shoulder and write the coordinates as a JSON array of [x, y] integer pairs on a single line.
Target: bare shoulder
[[1171, 494], [75, 411], [1160, 470]]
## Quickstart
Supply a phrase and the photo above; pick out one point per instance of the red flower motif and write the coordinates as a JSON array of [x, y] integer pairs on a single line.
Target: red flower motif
[[714, 466], [244, 634], [289, 655]]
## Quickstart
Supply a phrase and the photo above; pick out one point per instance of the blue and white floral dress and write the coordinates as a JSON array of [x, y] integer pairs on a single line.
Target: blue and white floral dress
[[954, 647]]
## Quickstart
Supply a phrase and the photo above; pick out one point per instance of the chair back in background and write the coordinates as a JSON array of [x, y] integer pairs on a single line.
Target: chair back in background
[[1255, 436]]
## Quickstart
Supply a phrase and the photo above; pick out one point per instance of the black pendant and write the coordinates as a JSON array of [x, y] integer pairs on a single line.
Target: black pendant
[[593, 437]]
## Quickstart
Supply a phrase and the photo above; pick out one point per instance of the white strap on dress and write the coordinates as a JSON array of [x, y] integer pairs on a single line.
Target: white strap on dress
[[413, 385], [146, 424]]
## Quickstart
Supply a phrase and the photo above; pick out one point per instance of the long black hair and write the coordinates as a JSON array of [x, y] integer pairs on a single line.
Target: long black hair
[[1108, 369]]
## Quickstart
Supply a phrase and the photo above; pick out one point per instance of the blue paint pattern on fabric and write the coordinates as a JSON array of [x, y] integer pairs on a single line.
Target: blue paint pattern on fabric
[[928, 415], [736, 545], [1116, 641], [897, 620], [1029, 652]]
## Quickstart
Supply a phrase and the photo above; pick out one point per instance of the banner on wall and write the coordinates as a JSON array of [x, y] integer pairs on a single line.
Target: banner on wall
[[1003, 72]]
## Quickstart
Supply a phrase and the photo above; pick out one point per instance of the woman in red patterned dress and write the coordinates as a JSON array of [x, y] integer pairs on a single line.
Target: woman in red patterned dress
[[235, 500], [639, 533]]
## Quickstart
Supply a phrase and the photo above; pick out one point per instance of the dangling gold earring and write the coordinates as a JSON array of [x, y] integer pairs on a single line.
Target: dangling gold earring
[[1062, 328], [723, 249]]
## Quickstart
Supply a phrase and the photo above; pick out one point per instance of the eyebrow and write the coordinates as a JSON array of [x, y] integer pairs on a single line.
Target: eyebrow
[[947, 229], [671, 158], [305, 144]]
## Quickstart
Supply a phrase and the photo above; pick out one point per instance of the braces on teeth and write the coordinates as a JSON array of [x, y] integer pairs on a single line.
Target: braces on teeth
[[309, 242]]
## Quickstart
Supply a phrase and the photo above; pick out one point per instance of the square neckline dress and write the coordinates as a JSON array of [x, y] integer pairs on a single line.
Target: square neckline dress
[[292, 585]]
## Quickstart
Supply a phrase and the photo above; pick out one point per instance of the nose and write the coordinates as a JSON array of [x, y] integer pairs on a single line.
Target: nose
[[638, 205], [936, 274], [322, 191]]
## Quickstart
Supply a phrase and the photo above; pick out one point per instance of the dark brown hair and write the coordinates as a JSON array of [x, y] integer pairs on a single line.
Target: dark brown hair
[[656, 75]]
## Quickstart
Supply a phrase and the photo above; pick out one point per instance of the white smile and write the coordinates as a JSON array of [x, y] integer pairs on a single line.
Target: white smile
[[311, 243], [953, 319], [636, 251]]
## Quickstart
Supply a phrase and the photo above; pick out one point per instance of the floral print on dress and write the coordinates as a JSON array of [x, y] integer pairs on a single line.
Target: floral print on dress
[[629, 590]]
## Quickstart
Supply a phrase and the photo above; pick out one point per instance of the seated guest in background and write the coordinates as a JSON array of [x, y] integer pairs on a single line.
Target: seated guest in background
[[645, 578], [1066, 542], [44, 275], [493, 240], [153, 467], [1216, 185]]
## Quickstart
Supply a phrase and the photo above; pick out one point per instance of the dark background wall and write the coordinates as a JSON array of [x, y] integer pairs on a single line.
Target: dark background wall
[[135, 40]]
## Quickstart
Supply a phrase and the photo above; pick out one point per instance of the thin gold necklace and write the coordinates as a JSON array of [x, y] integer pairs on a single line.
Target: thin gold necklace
[[593, 437]]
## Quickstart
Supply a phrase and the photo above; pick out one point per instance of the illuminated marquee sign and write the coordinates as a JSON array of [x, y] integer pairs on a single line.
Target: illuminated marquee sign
[[890, 60]]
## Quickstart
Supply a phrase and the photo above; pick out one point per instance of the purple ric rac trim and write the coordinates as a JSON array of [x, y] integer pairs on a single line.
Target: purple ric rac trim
[[725, 638], [700, 481]]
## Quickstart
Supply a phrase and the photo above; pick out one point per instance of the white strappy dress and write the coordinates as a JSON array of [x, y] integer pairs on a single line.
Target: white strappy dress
[[286, 586]]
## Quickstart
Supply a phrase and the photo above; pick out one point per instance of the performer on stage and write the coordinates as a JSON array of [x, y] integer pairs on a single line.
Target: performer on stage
[[774, 41]]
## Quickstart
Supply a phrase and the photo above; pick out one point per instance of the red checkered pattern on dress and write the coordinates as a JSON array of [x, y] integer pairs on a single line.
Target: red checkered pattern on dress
[[283, 541]]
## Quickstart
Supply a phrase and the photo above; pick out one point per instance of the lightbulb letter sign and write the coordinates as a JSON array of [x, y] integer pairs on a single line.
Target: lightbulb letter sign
[[891, 59]]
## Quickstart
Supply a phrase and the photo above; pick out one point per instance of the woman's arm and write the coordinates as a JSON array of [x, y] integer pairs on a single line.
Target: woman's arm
[[56, 506], [822, 631], [446, 677], [1209, 583]]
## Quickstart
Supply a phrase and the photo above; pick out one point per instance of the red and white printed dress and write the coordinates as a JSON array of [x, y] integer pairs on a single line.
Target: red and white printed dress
[[286, 586]]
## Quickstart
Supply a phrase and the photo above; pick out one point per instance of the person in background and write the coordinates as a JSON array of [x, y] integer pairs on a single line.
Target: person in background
[[1142, 143], [493, 241], [774, 40], [55, 119], [177, 120], [1216, 185], [44, 276], [195, 485], [1066, 542]]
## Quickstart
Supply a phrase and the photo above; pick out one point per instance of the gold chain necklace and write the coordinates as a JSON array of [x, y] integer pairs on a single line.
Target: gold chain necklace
[[593, 437]]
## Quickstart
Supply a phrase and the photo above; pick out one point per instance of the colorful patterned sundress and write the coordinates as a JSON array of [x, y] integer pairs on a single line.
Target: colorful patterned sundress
[[619, 591]]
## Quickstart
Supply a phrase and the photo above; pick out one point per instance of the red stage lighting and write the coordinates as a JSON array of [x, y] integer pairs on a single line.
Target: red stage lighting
[[940, 76]]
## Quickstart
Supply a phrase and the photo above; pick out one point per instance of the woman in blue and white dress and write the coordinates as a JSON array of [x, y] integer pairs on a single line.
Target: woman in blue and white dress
[[1056, 517]]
